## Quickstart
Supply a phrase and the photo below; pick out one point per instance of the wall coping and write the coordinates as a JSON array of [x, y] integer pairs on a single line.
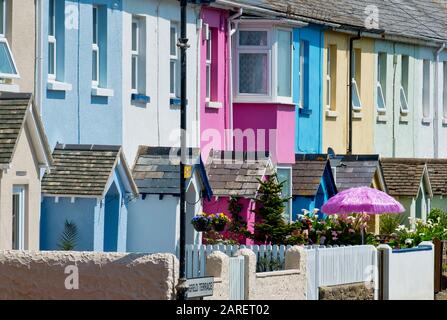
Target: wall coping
[[277, 273]]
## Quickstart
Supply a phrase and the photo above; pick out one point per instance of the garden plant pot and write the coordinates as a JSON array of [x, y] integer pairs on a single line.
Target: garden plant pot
[[202, 227], [219, 227]]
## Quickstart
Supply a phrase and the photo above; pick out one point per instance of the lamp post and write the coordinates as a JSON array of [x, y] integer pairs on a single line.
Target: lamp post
[[182, 286]]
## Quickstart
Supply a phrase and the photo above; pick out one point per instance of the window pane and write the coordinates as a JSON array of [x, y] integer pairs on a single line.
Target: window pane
[[382, 71], [95, 65], [134, 72], [208, 81], [426, 89], [134, 36], [380, 98], [51, 19], [356, 102], [445, 89], [173, 41], [95, 25], [6, 64], [284, 177], [253, 38], [284, 63], [2, 16], [51, 58], [253, 73], [403, 100], [172, 75], [208, 49], [404, 73], [15, 221]]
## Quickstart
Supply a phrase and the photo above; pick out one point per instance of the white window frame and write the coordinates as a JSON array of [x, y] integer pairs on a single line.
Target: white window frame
[[354, 86], [8, 48], [290, 213], [379, 92], [302, 73], [208, 61], [267, 49], [328, 78], [283, 99], [426, 98], [52, 40], [135, 54], [95, 47], [444, 93], [174, 59], [20, 192], [403, 100], [3, 4]]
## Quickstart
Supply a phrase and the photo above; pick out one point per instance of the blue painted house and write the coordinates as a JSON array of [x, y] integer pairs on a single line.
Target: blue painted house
[[92, 186], [312, 182], [307, 88], [81, 83]]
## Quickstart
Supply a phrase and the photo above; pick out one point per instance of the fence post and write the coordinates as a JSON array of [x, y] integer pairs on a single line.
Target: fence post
[[438, 264], [384, 252]]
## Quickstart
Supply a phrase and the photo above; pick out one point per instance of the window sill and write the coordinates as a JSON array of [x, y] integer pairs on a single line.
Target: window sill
[[426, 121], [403, 119], [176, 102], [444, 121], [58, 86], [8, 87], [140, 98], [381, 112], [357, 115], [305, 111], [102, 92], [331, 114], [214, 105], [382, 118]]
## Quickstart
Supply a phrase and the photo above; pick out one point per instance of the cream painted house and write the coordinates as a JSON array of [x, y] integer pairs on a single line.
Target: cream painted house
[[24, 155]]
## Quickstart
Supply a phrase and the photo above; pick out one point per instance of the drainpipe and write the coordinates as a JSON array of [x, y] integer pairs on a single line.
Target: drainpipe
[[393, 132], [38, 71], [436, 104], [231, 32], [351, 76]]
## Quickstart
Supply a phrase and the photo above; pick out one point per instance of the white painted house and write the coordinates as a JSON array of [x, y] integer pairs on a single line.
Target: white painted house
[[151, 74]]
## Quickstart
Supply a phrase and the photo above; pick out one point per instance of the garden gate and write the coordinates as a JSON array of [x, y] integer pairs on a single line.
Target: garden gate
[[237, 278]]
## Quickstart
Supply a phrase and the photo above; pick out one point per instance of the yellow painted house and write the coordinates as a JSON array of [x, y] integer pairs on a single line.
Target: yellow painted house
[[336, 93]]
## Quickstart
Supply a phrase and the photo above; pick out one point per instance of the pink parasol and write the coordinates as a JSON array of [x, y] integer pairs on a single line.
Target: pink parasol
[[362, 200]]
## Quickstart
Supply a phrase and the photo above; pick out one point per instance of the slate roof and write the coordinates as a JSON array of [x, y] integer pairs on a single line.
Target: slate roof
[[307, 173], [409, 18], [355, 170], [437, 171], [82, 170], [237, 173], [403, 176], [157, 169]]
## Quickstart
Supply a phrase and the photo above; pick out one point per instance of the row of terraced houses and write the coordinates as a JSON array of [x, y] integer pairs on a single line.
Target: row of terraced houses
[[327, 94]]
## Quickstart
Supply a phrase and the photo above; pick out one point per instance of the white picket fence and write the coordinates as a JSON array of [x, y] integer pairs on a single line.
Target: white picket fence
[[267, 255], [329, 266]]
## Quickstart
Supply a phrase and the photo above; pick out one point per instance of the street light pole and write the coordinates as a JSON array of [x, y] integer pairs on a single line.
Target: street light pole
[[182, 286]]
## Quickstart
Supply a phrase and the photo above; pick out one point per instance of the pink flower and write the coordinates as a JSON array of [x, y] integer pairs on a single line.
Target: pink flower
[[351, 230]]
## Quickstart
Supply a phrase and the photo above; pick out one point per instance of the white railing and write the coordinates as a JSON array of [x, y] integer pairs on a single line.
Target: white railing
[[329, 266], [268, 257]]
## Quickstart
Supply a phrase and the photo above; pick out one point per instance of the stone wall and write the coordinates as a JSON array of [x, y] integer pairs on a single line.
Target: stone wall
[[47, 274], [353, 291], [289, 284]]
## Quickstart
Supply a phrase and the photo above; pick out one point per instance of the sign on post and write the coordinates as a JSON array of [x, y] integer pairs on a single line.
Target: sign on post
[[200, 287]]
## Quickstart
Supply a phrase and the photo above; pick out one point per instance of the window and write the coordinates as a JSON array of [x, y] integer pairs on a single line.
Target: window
[[284, 63], [135, 53], [8, 69], [254, 70], [174, 64], [95, 48], [426, 99], [356, 80], [404, 79], [208, 40], [304, 49], [285, 177], [52, 45], [18, 218], [331, 78], [381, 81], [444, 94]]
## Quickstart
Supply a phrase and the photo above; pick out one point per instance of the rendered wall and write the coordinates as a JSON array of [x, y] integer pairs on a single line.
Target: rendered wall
[[23, 161], [335, 126], [112, 276], [157, 123]]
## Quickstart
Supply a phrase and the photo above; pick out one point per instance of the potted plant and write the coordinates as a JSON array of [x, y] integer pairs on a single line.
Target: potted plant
[[220, 221], [202, 222]]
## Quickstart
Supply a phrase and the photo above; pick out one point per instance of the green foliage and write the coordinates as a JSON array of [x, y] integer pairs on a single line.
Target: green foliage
[[390, 222], [272, 228], [266, 265], [69, 237]]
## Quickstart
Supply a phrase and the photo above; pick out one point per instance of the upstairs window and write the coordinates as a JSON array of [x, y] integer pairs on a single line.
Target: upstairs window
[[52, 43], [135, 53], [95, 47], [303, 72], [331, 78], [138, 55], [8, 69], [174, 62], [426, 88], [444, 93], [356, 80], [208, 60], [263, 67], [404, 79], [381, 81]]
